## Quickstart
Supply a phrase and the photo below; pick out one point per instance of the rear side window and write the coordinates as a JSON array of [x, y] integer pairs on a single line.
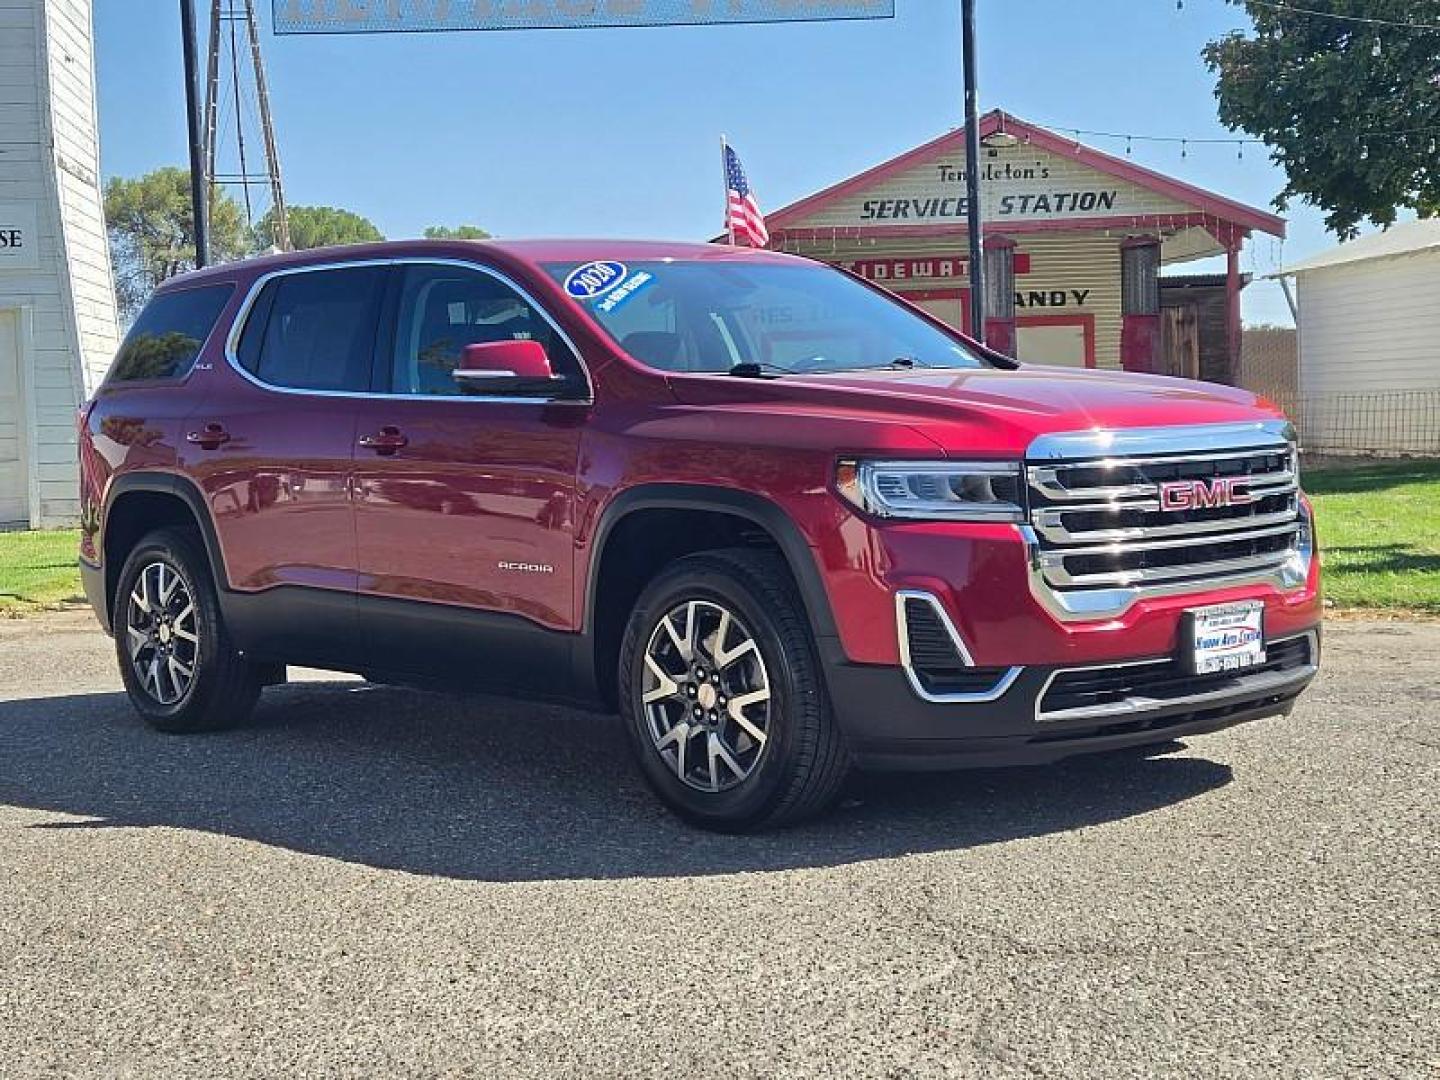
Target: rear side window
[[168, 335], [315, 330]]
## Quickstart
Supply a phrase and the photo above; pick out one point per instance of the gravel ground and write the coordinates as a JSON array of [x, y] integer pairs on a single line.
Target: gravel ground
[[374, 881]]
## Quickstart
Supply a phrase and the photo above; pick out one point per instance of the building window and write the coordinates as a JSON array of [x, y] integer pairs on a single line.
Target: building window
[[1140, 275], [999, 278]]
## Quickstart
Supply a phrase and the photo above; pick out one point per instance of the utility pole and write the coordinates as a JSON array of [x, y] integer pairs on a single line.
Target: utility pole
[[198, 201], [972, 173]]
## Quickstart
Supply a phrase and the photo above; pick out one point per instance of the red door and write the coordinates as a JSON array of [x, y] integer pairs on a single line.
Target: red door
[[463, 504], [272, 448]]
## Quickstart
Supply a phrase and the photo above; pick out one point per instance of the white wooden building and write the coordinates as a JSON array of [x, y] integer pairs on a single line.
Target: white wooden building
[[1368, 314], [57, 301]]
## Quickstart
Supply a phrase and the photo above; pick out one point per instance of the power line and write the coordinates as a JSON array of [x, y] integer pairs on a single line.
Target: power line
[[1293, 9], [1364, 20]]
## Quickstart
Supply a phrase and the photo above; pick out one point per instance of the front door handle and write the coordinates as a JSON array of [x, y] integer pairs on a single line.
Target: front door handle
[[388, 440], [212, 438]]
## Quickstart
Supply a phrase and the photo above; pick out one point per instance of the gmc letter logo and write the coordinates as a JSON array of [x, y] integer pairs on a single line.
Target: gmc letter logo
[[1204, 494]]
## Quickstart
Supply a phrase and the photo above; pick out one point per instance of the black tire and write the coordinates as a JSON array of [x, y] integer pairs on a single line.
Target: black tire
[[804, 760], [223, 688]]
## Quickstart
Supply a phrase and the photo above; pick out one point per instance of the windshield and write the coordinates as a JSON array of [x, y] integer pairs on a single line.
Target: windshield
[[712, 316]]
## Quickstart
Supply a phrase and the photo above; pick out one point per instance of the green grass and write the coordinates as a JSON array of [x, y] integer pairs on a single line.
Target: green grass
[[37, 569], [1379, 528]]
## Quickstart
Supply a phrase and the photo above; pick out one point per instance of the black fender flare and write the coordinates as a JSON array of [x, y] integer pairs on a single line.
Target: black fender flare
[[744, 504], [711, 498], [177, 486]]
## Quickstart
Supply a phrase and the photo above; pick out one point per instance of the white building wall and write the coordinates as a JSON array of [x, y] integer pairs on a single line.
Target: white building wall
[[1370, 328], [61, 288]]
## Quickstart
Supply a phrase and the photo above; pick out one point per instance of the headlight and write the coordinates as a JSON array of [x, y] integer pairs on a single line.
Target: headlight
[[934, 490]]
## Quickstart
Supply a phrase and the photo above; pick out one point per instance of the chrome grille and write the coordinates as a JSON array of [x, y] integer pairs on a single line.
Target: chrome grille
[[1100, 522]]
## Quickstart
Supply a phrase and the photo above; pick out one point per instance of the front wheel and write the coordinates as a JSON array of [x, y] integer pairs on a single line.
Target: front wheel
[[179, 667], [723, 697]]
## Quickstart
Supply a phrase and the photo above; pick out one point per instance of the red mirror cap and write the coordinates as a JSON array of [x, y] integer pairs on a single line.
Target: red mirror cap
[[524, 359]]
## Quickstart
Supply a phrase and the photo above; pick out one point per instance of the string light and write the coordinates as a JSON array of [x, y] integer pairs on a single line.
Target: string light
[[1186, 141]]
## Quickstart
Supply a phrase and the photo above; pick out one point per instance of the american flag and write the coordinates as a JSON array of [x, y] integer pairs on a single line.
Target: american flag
[[743, 220]]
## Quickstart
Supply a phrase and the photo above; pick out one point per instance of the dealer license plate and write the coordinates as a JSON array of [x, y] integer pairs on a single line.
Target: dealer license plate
[[1227, 637]]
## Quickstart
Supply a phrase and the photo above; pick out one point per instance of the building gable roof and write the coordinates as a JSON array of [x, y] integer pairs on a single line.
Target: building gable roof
[[1235, 214], [1406, 239]]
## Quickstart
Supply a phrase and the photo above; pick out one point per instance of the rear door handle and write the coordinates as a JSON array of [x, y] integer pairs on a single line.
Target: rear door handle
[[388, 440], [212, 438]]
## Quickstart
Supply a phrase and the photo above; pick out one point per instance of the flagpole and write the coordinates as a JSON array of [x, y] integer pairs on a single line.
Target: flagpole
[[725, 180]]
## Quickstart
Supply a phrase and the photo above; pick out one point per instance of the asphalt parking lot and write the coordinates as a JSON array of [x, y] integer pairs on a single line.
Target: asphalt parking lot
[[370, 881]]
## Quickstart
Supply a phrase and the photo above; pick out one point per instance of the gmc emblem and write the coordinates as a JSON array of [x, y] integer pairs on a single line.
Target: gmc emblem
[[1204, 494]]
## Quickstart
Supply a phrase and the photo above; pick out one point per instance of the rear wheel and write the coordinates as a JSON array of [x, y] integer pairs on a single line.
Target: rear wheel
[[180, 670], [723, 697]]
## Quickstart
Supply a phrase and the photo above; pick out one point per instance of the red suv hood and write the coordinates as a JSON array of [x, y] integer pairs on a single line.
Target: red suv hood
[[987, 412]]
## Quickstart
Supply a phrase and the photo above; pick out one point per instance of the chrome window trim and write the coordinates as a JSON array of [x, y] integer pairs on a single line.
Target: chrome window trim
[[902, 629], [242, 317], [1129, 442], [1279, 681]]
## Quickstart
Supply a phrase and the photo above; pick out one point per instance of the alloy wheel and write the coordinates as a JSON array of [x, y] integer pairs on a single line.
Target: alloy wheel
[[162, 633], [706, 695]]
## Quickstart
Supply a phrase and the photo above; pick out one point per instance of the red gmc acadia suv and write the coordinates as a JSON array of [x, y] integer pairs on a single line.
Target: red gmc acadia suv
[[782, 521]]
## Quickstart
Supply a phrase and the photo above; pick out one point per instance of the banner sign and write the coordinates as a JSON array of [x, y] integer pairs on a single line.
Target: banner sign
[[929, 267], [19, 236], [399, 16]]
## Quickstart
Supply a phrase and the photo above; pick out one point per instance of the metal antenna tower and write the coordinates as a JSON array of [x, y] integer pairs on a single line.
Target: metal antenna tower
[[228, 18]]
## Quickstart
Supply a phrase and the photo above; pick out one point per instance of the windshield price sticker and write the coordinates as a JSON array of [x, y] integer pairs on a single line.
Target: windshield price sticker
[[594, 279], [621, 293], [1227, 638]]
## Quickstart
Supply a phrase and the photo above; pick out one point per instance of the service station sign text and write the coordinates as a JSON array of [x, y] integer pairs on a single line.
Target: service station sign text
[[1013, 191]]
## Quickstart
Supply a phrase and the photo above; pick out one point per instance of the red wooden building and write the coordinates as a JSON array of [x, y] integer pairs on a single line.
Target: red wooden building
[[1075, 241]]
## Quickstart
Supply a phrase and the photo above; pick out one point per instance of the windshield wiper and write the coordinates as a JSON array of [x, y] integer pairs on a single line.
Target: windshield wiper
[[757, 369]]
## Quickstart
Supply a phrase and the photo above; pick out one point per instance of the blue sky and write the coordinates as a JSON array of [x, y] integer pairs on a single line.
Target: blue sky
[[615, 132]]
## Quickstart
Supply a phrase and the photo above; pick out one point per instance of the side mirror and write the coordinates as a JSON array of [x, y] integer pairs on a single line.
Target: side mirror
[[496, 365]]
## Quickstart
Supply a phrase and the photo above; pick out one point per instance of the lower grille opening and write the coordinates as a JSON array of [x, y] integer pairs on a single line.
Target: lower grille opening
[[1160, 724], [1163, 680]]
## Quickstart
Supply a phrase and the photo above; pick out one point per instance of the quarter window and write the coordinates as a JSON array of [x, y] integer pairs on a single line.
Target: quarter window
[[442, 309], [315, 330], [168, 335]]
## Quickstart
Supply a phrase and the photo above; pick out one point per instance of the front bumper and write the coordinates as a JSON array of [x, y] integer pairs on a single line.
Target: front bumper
[[1043, 713]]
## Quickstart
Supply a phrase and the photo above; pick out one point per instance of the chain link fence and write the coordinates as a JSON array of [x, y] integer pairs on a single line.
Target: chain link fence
[[1399, 423], [1385, 423]]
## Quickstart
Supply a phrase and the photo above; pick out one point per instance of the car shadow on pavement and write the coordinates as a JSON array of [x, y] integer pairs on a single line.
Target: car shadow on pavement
[[483, 789]]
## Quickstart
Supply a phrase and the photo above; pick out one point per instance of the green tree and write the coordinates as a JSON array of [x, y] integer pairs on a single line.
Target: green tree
[[458, 232], [317, 226], [1350, 108], [151, 228]]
